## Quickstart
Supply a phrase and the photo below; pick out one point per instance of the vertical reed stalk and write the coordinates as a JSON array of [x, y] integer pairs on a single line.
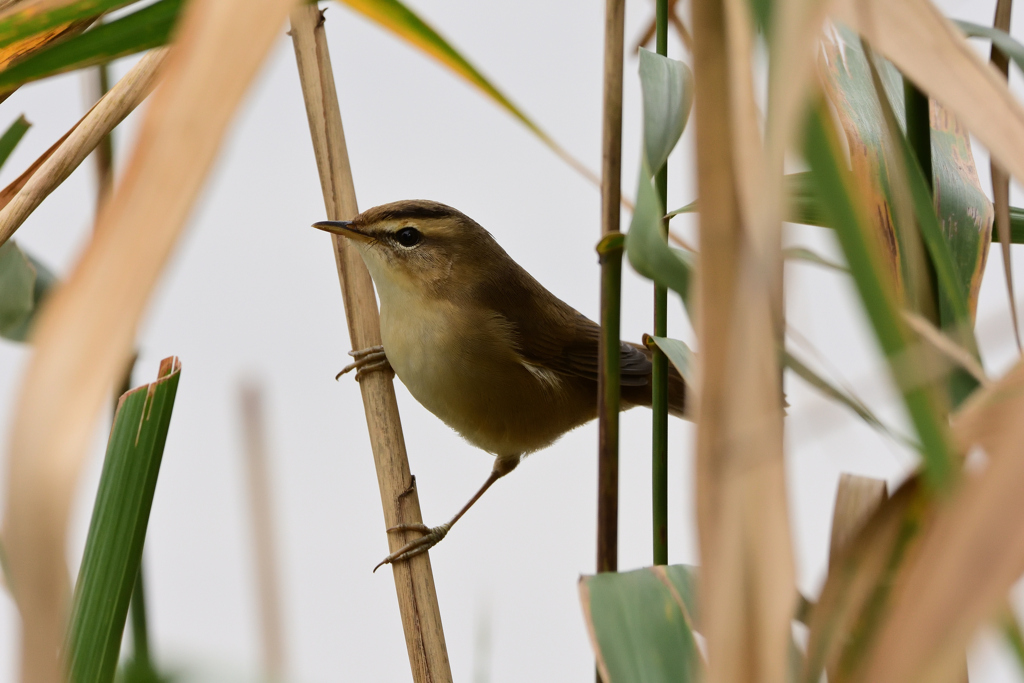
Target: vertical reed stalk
[[414, 581], [659, 374], [919, 127], [1001, 179], [256, 457], [140, 626], [105, 149], [610, 254]]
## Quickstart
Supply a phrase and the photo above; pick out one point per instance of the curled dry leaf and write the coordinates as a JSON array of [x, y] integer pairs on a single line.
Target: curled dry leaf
[[970, 554], [860, 576], [85, 333], [857, 498], [58, 162]]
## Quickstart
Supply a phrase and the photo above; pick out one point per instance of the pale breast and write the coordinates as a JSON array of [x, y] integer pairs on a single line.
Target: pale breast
[[465, 370]]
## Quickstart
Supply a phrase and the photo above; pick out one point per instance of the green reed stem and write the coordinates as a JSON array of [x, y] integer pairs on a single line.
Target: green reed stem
[[610, 255], [659, 373]]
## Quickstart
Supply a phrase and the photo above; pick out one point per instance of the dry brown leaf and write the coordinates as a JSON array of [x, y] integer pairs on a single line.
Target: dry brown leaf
[[58, 162], [86, 331], [748, 588], [26, 46], [857, 498], [947, 347], [969, 557], [978, 420], [859, 580]]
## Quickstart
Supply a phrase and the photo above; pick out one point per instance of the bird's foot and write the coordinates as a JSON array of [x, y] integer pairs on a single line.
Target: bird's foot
[[431, 537], [366, 360]]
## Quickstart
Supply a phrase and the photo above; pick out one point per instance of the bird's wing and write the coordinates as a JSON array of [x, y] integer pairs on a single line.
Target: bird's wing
[[552, 334], [579, 356]]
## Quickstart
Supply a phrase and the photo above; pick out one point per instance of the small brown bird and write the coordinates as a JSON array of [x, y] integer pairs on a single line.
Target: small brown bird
[[479, 342]]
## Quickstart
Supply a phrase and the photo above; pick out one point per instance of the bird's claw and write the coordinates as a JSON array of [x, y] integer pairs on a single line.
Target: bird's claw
[[431, 537], [366, 360]]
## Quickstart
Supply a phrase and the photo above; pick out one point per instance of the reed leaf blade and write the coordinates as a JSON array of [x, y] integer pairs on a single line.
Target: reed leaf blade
[[835, 186], [641, 624], [148, 28], [117, 533], [12, 136], [26, 19]]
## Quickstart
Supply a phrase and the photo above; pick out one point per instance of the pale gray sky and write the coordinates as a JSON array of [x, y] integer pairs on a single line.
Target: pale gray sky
[[252, 292]]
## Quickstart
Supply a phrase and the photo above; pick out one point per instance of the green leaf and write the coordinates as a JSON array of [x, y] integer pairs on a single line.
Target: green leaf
[[843, 397], [680, 356], [149, 27], [117, 532], [667, 86], [11, 137], [668, 94], [1003, 41], [1014, 637], [804, 206], [403, 22], [29, 18], [24, 284], [1016, 226], [951, 290], [17, 281], [805, 254], [957, 237], [646, 247], [844, 209], [642, 624]]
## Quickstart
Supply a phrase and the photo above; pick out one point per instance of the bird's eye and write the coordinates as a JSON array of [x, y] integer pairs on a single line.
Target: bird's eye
[[408, 237]]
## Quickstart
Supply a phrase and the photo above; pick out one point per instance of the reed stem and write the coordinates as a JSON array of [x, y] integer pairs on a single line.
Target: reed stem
[[140, 625], [659, 372], [414, 580], [105, 149], [257, 458], [919, 128], [610, 255]]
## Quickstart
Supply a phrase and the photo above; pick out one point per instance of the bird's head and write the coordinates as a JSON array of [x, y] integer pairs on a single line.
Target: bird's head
[[419, 245]]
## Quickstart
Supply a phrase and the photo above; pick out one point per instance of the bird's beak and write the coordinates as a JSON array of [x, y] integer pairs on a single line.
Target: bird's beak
[[343, 228]]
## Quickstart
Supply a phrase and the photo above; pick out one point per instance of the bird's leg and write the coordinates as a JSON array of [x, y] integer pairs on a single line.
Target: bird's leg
[[366, 360], [433, 535]]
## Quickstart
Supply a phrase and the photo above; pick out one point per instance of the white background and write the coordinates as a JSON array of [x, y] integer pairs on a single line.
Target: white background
[[252, 293]]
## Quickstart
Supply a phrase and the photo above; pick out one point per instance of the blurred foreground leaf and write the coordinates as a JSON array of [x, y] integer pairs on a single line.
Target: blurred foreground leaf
[[1003, 41], [117, 532], [12, 136], [845, 208], [26, 19], [642, 624], [843, 397], [149, 27], [959, 243], [851, 605], [811, 256], [24, 284]]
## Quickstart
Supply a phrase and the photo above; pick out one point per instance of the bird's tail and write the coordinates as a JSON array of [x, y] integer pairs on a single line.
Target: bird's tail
[[641, 395]]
